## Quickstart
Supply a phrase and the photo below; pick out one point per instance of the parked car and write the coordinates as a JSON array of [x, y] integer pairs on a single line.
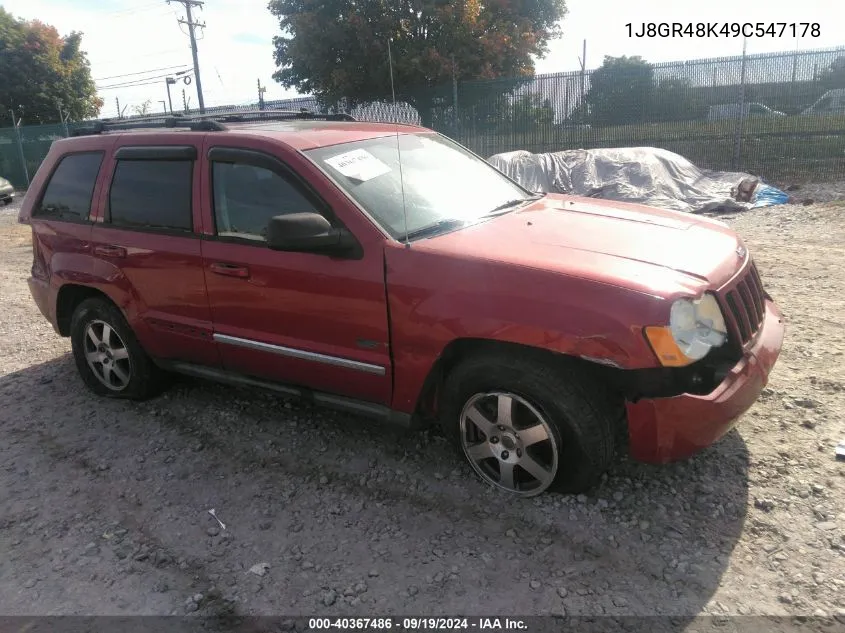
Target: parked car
[[544, 333], [7, 191], [830, 103], [733, 110]]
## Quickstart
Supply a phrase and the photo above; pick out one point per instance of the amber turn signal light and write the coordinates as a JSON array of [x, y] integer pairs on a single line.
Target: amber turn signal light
[[665, 347]]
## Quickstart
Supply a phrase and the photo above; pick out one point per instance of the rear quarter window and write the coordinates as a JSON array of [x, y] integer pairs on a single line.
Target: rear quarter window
[[70, 189], [152, 194]]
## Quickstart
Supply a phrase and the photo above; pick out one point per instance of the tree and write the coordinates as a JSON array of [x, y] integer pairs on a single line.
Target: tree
[[528, 112], [675, 99], [833, 76], [620, 91], [338, 49], [144, 108], [41, 72]]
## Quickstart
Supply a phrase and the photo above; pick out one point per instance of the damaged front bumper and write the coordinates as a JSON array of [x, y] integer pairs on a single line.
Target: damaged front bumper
[[666, 429]]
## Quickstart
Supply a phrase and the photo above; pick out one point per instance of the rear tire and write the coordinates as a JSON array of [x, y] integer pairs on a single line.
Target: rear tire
[[527, 425], [108, 357]]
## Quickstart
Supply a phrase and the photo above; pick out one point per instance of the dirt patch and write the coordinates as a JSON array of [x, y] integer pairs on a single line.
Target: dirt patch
[[105, 505]]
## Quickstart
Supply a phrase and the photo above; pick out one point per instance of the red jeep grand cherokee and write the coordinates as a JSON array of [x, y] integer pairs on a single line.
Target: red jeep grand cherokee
[[296, 252]]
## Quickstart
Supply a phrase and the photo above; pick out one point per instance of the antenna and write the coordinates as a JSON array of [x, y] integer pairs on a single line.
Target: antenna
[[398, 150]]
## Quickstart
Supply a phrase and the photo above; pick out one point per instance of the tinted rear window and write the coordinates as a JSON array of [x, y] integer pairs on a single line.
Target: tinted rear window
[[71, 187], [153, 194]]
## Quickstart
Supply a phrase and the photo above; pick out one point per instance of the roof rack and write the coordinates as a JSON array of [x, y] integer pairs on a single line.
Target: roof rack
[[238, 116], [204, 122]]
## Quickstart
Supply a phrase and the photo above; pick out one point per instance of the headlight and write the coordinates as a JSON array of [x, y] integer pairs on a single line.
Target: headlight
[[695, 327]]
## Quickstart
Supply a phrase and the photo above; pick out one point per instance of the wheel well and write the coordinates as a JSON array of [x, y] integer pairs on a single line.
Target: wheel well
[[460, 349], [69, 297]]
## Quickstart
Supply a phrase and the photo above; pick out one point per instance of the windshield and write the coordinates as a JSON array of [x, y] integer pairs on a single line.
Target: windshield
[[445, 186]]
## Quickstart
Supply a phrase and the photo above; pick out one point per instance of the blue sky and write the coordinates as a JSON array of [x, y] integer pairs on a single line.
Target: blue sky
[[135, 36]]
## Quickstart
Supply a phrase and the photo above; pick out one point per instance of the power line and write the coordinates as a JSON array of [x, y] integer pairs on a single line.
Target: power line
[[143, 81], [147, 83], [141, 72], [122, 62], [131, 10]]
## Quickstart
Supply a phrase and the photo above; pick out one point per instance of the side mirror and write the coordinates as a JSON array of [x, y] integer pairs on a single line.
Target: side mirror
[[307, 232]]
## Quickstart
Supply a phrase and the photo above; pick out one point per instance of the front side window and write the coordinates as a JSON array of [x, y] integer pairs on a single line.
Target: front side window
[[439, 185], [246, 197], [71, 187], [152, 194]]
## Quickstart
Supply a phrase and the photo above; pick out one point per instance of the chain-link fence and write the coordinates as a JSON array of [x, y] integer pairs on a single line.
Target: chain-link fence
[[779, 116]]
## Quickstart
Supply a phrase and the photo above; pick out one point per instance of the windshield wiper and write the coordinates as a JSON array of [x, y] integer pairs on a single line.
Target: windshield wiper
[[434, 229], [511, 204]]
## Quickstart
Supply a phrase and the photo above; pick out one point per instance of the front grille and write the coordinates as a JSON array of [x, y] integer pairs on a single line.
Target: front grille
[[746, 307]]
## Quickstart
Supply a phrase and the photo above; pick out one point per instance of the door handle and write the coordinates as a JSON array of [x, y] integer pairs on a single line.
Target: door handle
[[110, 251], [230, 270]]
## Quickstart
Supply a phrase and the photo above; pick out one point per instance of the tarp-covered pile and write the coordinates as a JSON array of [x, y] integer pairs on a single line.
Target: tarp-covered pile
[[646, 175]]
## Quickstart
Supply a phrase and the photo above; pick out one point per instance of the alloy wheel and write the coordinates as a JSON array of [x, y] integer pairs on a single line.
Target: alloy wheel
[[509, 443], [107, 355]]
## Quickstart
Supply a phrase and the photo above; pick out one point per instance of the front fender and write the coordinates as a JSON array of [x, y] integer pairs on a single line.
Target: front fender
[[500, 302]]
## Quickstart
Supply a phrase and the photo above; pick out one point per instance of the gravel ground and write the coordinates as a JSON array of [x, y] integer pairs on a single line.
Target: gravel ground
[[104, 505]]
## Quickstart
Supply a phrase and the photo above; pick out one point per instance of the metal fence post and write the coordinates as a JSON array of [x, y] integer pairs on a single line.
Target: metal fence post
[[741, 118], [19, 141]]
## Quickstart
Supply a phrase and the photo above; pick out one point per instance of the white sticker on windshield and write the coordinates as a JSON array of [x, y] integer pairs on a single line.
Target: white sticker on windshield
[[358, 164]]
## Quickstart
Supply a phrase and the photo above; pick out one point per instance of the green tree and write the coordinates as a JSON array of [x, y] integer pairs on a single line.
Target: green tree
[[833, 76], [675, 99], [144, 108], [41, 71], [338, 49], [620, 91], [528, 112]]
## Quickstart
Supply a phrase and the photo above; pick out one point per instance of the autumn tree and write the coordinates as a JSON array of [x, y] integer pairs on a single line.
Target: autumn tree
[[336, 49], [41, 72]]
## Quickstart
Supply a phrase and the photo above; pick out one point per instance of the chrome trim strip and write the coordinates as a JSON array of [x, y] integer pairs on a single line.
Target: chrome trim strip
[[378, 370]]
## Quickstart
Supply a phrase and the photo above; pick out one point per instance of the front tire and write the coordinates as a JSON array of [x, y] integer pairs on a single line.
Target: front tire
[[527, 425], [108, 357]]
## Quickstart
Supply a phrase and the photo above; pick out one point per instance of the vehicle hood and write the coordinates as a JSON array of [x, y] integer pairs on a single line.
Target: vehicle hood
[[651, 250]]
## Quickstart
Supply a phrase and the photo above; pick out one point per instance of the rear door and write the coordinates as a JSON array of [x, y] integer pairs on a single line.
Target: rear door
[[146, 245], [306, 319]]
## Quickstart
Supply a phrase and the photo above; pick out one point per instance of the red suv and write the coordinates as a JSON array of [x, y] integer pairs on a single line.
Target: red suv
[[388, 271]]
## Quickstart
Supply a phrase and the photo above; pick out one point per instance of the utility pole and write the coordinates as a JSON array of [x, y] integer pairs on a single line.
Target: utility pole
[[184, 102], [261, 91], [189, 4], [117, 103]]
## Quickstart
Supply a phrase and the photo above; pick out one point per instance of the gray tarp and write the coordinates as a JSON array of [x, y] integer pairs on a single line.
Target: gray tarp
[[646, 175]]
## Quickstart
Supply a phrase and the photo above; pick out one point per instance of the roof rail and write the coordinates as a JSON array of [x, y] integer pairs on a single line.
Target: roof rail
[[203, 122], [98, 127], [236, 116]]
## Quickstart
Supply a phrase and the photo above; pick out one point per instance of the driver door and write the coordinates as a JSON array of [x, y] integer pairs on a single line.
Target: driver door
[[312, 320]]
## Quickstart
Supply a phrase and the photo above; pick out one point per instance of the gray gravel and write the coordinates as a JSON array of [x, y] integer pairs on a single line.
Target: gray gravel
[[104, 504]]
